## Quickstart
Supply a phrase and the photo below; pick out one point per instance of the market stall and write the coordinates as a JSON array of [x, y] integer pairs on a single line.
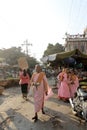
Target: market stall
[[74, 57]]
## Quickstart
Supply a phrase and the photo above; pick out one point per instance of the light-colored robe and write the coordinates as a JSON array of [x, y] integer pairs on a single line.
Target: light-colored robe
[[39, 91], [74, 86], [64, 91]]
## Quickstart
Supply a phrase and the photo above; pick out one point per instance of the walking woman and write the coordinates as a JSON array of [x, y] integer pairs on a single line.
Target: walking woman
[[39, 82], [63, 89], [75, 83], [24, 83]]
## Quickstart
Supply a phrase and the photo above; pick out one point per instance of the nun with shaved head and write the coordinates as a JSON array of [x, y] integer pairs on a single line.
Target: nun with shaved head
[[39, 83]]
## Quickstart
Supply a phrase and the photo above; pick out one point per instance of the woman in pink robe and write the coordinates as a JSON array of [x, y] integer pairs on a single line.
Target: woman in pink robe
[[63, 90], [74, 84], [39, 82], [59, 79]]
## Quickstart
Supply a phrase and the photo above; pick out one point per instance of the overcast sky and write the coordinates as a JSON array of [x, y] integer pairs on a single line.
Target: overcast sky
[[40, 22]]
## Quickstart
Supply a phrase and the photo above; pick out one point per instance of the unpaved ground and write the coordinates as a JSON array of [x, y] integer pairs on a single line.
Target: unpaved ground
[[16, 114]]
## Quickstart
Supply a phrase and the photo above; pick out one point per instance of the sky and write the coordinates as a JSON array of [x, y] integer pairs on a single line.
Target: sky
[[40, 22]]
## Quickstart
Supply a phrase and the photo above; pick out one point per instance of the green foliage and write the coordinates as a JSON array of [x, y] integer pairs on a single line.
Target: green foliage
[[52, 49], [31, 61], [12, 55]]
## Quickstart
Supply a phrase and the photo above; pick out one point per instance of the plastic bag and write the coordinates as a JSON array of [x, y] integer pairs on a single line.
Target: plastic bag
[[31, 91], [50, 94]]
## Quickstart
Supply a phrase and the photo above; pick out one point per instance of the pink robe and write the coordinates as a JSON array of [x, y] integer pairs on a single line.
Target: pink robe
[[64, 91], [58, 80], [73, 87], [39, 93]]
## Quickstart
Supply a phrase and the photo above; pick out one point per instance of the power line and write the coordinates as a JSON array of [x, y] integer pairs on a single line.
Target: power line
[[70, 10], [78, 16], [83, 12], [75, 15]]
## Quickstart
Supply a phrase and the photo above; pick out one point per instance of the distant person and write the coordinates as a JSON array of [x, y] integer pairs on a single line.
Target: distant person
[[20, 71], [74, 83], [24, 83], [63, 88], [39, 81]]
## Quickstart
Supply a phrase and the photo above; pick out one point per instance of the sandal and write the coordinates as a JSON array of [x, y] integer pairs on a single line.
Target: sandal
[[35, 118]]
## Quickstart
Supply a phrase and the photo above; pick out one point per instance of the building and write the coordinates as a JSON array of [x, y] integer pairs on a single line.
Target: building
[[78, 41]]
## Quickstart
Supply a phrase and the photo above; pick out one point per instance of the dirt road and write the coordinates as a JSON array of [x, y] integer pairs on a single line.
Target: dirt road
[[16, 114]]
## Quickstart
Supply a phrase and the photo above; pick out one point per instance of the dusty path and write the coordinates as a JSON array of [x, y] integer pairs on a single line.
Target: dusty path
[[16, 114]]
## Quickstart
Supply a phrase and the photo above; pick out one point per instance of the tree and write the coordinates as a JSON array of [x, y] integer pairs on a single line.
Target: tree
[[52, 49], [12, 55]]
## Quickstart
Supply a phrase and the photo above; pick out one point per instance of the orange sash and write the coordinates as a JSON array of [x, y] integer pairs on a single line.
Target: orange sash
[[40, 78]]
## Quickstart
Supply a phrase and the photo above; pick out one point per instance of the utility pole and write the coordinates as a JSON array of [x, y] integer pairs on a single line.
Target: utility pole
[[26, 44]]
